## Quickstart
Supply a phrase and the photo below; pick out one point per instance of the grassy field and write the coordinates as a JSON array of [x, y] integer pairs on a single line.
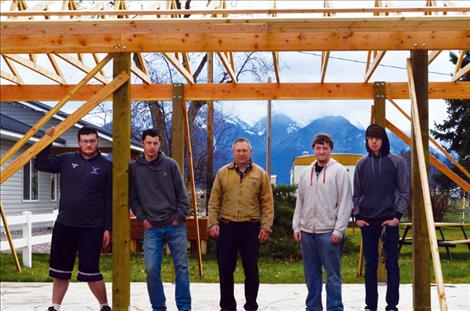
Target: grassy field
[[456, 270]]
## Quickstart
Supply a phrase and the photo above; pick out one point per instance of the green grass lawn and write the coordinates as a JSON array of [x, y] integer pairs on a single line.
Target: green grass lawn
[[271, 270]]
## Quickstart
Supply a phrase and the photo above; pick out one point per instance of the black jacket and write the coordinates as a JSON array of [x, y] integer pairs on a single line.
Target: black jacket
[[85, 188], [381, 185]]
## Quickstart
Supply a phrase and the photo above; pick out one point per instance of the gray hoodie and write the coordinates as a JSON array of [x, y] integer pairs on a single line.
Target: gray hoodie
[[157, 191], [324, 203], [381, 185]]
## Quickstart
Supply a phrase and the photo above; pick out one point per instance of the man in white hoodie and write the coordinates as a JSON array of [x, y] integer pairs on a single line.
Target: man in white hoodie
[[324, 205]]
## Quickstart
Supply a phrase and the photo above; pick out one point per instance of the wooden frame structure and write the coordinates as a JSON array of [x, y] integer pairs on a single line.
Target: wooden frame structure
[[69, 34]]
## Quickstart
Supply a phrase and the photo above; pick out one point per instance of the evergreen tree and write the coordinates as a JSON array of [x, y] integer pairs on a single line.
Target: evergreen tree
[[455, 130]]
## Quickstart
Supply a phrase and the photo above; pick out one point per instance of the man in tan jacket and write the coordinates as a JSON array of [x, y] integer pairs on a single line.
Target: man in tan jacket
[[241, 212]]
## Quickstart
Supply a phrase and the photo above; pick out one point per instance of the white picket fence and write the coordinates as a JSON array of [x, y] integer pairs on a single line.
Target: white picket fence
[[26, 242]]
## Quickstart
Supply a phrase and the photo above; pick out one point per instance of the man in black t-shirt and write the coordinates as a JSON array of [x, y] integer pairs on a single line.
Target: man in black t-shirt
[[83, 225]]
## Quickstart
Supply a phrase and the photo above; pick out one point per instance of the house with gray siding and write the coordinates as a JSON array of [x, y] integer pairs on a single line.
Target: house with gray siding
[[28, 189]]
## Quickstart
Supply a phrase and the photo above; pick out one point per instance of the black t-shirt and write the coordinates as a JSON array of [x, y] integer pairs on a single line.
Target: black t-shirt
[[318, 168]]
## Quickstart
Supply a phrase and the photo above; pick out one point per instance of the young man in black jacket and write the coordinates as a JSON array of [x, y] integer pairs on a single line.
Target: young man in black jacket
[[83, 225], [382, 194], [160, 202]]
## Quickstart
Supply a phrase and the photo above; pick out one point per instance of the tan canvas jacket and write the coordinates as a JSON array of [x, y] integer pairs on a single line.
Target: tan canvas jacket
[[247, 200]]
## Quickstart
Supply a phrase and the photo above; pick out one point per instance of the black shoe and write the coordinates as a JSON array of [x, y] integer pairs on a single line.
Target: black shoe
[[105, 308], [51, 308]]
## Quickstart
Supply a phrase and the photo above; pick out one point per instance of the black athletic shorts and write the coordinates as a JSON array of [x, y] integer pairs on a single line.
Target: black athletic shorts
[[67, 242]]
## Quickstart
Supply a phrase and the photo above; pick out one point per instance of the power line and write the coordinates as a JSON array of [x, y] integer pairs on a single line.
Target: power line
[[381, 65]]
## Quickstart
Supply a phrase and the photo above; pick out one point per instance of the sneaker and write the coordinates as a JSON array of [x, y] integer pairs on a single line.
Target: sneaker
[[51, 309], [106, 308]]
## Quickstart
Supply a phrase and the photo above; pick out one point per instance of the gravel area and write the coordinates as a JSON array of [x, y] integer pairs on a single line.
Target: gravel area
[[40, 248]]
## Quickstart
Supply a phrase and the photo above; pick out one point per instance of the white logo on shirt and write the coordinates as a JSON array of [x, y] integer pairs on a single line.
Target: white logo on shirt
[[94, 170], [74, 165]]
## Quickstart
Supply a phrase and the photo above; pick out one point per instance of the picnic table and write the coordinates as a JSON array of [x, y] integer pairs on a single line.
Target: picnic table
[[137, 234], [443, 241]]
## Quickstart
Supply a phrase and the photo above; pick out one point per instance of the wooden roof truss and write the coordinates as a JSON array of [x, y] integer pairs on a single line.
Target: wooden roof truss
[[227, 27]]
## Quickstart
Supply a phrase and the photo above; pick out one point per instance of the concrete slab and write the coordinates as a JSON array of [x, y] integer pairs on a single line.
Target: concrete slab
[[272, 297]]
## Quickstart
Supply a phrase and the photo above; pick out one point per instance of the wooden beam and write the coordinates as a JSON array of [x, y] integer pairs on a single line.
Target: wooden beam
[[177, 127], [226, 12], [192, 183], [80, 65], [432, 159], [241, 91], [121, 158], [61, 128], [417, 66], [276, 67], [43, 121], [9, 77], [10, 240], [14, 71], [227, 67], [186, 62], [142, 75], [232, 60], [223, 34], [143, 65], [379, 103], [458, 65], [36, 68], [325, 56], [175, 62], [56, 67], [433, 141], [433, 55], [421, 246], [379, 114], [462, 72], [210, 132], [97, 60], [375, 63]]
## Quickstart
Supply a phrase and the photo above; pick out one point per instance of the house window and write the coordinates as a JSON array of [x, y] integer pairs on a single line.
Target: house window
[[30, 182], [53, 187]]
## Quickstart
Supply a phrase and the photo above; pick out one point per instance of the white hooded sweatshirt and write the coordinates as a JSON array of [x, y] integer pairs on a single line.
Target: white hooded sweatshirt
[[324, 203]]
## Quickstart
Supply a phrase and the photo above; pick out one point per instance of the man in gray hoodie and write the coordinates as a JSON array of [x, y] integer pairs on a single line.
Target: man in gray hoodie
[[382, 194], [160, 202], [322, 211]]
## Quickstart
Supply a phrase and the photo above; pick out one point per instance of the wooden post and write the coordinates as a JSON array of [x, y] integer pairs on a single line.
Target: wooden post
[[421, 248], [268, 138], [379, 118], [121, 157], [379, 103], [416, 65], [182, 104], [210, 131], [177, 131], [10, 240]]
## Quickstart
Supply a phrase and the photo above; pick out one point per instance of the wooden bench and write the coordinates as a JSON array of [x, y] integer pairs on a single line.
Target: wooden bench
[[137, 234]]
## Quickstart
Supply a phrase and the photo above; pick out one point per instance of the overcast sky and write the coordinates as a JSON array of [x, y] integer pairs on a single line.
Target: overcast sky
[[344, 67]]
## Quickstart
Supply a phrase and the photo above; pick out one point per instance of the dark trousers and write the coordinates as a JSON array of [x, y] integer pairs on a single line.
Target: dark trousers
[[234, 237], [370, 239]]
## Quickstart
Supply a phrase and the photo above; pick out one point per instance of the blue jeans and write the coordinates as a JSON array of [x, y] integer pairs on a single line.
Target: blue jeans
[[154, 239], [317, 251], [370, 239]]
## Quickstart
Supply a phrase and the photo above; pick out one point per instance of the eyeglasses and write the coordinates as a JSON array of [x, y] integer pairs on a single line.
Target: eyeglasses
[[88, 142]]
